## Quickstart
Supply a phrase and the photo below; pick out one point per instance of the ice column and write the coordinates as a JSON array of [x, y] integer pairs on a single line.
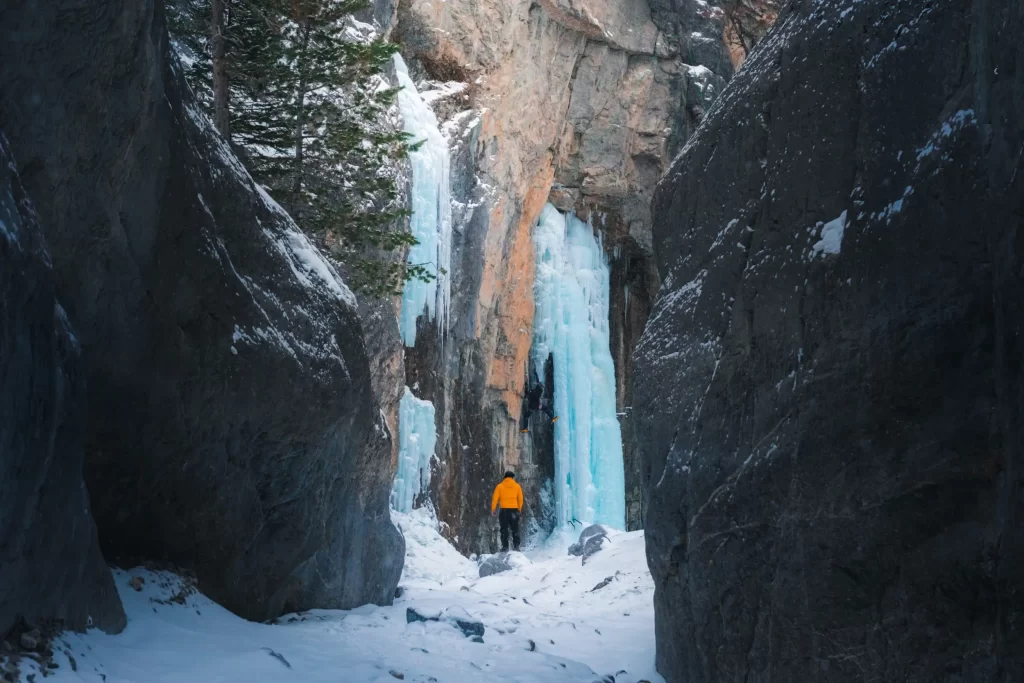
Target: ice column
[[572, 292], [416, 440], [431, 221]]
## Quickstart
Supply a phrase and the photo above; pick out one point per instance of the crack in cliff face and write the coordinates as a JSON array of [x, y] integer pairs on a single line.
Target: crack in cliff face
[[583, 109]]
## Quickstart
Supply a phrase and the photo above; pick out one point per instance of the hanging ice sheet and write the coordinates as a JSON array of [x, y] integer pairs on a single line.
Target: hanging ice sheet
[[431, 221], [416, 439], [571, 292]]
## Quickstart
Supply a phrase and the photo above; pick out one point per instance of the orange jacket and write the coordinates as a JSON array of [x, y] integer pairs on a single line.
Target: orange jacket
[[508, 495]]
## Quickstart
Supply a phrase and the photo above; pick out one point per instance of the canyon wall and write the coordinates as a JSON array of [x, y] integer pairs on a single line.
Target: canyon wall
[[581, 103], [232, 425], [828, 392], [51, 567]]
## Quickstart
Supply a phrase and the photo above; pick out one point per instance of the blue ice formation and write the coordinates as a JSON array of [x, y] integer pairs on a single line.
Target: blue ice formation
[[417, 437], [431, 221], [572, 296]]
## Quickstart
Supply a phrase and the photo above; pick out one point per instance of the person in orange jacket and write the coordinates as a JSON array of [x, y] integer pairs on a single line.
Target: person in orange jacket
[[508, 495]]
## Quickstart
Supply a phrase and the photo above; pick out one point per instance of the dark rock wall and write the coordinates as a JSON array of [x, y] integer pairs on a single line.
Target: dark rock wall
[[634, 285], [232, 425], [50, 562], [834, 439]]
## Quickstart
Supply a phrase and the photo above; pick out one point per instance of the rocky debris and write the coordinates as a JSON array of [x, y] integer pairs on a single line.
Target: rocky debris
[[501, 562], [50, 561], [827, 393], [456, 616], [397, 674], [29, 641], [495, 564], [593, 546], [413, 615], [604, 582], [189, 287], [473, 629], [469, 626], [136, 582], [592, 531], [278, 656]]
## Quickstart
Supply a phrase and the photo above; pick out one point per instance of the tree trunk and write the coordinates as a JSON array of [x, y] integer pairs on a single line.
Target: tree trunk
[[300, 107], [218, 48]]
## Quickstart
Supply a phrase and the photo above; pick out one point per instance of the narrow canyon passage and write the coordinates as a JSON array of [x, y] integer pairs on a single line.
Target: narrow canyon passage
[[550, 619], [599, 341]]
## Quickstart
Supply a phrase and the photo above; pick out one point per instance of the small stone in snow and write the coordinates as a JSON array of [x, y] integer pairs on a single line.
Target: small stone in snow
[[234, 351], [29, 642], [136, 583], [397, 674]]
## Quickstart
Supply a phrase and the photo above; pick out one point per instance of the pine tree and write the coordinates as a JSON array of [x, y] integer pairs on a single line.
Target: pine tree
[[308, 108]]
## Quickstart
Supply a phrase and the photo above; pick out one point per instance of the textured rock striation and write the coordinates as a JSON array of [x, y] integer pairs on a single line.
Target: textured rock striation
[[50, 562], [580, 102], [828, 392], [232, 425]]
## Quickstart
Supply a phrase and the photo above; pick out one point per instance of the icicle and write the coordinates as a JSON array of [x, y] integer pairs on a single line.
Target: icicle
[[417, 437], [572, 291], [431, 221]]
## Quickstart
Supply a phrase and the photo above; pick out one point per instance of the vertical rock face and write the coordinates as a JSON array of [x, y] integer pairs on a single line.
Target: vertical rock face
[[580, 102], [232, 425], [828, 392], [50, 561]]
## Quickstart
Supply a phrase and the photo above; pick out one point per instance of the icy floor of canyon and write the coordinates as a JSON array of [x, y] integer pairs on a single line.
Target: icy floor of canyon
[[545, 620]]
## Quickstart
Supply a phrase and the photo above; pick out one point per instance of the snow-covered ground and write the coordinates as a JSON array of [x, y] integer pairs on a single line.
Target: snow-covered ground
[[544, 621]]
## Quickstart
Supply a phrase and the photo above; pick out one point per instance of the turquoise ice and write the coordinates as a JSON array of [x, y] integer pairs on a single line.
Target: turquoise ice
[[571, 293], [416, 441], [431, 221]]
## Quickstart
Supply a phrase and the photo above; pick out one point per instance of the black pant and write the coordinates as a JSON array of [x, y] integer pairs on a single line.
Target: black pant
[[509, 519]]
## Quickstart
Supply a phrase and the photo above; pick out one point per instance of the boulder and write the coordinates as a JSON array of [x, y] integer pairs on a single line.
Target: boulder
[[828, 393], [495, 564], [228, 379], [50, 562], [501, 562], [593, 546], [592, 531]]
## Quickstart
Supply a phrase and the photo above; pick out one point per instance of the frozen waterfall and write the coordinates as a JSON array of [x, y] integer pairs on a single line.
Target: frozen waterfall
[[416, 439], [572, 292], [431, 221]]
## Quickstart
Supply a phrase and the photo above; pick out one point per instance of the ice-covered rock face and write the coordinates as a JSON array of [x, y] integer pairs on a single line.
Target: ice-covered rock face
[[571, 294], [828, 389], [417, 439], [591, 99], [431, 206], [232, 427]]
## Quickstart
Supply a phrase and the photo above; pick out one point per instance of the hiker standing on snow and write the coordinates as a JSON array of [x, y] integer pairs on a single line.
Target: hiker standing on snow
[[508, 495]]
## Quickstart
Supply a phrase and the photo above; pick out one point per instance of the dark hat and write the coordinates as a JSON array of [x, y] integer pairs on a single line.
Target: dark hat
[[510, 474]]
